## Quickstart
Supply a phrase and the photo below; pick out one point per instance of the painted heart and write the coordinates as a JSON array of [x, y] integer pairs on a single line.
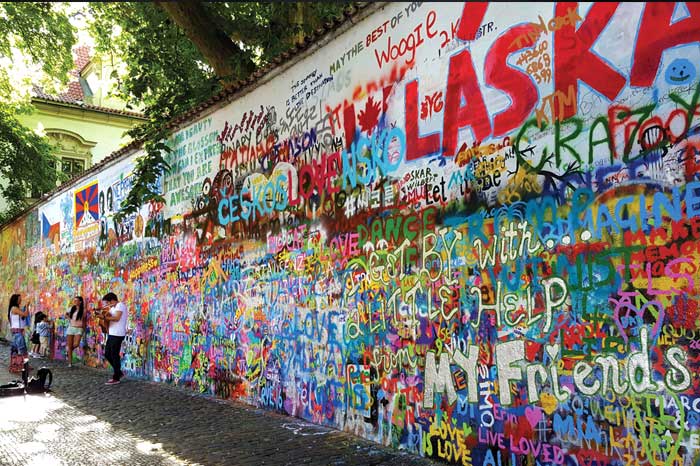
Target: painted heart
[[533, 415], [626, 310]]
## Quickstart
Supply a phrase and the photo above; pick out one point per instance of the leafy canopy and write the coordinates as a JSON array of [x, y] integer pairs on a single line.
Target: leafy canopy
[[35, 47], [19, 146]]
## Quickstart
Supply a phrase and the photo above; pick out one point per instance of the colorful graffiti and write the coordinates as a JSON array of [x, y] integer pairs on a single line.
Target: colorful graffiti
[[466, 230]]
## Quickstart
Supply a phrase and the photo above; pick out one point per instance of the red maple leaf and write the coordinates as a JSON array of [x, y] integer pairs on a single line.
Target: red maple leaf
[[369, 116]]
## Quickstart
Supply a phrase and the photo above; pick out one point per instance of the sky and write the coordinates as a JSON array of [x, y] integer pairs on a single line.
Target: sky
[[78, 14]]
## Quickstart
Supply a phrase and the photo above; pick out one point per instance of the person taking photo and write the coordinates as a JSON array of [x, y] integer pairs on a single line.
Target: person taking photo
[[114, 313]]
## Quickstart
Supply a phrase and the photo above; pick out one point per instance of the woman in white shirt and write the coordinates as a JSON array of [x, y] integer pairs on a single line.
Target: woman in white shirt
[[18, 345], [76, 327]]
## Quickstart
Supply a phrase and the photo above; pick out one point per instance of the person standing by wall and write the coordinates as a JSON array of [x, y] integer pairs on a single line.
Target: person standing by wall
[[44, 329], [76, 327], [115, 313], [36, 342], [18, 345]]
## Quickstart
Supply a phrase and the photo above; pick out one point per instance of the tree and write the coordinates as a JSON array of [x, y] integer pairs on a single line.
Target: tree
[[25, 162], [178, 54], [35, 47], [225, 56]]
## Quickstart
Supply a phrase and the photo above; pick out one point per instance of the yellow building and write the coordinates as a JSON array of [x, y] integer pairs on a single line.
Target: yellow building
[[85, 122]]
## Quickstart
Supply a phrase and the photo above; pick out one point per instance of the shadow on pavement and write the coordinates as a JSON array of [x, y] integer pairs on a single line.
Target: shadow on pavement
[[83, 421]]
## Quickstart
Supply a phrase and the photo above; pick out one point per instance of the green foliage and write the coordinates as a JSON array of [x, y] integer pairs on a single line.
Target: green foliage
[[148, 169], [273, 27], [42, 32], [38, 34], [168, 75], [165, 73], [25, 162]]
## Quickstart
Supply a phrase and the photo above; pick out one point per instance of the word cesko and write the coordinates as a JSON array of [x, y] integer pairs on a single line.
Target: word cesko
[[368, 157]]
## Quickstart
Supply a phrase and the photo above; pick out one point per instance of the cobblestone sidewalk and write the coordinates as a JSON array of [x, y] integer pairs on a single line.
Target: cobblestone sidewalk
[[84, 422]]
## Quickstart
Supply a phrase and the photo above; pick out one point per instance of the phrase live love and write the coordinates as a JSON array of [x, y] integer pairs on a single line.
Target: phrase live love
[[549, 454]]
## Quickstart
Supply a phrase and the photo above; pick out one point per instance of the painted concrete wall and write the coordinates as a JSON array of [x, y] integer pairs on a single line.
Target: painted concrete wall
[[472, 234]]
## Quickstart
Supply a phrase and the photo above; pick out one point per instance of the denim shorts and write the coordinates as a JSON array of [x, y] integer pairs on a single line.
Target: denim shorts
[[18, 345], [74, 331]]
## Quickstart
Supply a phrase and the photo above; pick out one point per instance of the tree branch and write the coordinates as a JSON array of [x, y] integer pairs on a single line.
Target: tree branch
[[213, 43]]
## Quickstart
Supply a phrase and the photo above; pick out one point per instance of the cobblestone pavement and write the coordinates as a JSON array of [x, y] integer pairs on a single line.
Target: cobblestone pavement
[[84, 422]]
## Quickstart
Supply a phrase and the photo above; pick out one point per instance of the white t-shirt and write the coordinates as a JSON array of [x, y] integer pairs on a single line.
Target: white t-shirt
[[118, 327], [74, 322], [16, 321]]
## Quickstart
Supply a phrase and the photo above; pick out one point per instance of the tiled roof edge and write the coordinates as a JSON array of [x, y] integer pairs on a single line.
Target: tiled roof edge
[[95, 108]]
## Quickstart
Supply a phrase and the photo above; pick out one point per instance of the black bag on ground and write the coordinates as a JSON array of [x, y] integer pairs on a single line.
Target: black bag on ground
[[11, 389], [38, 383]]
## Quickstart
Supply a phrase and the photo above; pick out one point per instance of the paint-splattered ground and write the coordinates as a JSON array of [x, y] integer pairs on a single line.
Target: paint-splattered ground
[[84, 422]]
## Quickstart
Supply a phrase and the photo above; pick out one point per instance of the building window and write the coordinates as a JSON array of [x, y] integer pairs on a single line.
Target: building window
[[73, 153], [71, 167]]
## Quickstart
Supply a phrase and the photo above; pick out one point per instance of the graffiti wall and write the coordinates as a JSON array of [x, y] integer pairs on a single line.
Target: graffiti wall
[[470, 231]]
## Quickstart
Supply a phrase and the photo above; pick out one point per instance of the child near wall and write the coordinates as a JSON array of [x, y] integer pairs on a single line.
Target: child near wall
[[44, 329], [35, 339]]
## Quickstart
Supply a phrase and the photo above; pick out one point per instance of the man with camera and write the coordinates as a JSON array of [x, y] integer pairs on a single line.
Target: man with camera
[[114, 315]]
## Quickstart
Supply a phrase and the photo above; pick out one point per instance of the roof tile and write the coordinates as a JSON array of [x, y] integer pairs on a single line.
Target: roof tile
[[74, 93], [114, 111]]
